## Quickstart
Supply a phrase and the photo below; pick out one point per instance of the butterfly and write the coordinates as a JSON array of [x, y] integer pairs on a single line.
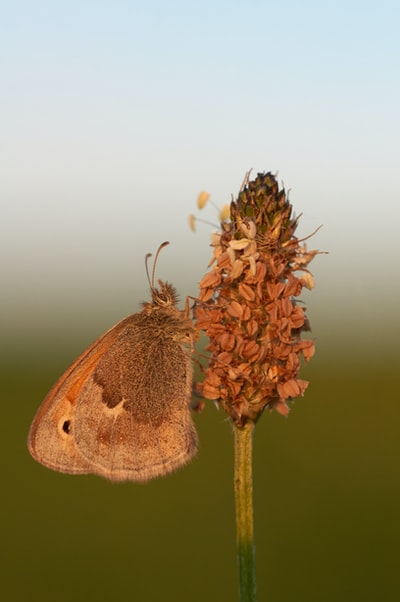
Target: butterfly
[[122, 409]]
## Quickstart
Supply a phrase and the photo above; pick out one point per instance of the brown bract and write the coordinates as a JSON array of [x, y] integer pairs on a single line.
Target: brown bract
[[248, 308]]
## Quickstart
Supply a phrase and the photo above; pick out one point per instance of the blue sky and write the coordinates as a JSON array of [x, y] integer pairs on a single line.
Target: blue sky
[[114, 115]]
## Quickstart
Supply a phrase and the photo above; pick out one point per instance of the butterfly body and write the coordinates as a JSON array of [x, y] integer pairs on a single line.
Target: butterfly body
[[122, 410]]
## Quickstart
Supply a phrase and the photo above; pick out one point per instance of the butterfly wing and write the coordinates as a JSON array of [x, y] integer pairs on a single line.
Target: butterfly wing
[[121, 410], [50, 439], [141, 427]]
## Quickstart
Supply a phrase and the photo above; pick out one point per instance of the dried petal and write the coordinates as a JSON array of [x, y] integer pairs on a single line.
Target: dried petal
[[235, 310], [211, 279]]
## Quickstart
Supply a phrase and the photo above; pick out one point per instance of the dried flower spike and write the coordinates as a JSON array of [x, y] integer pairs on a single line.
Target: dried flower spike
[[247, 305]]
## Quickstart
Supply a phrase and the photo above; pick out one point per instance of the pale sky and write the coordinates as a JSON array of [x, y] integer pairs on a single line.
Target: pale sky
[[115, 114]]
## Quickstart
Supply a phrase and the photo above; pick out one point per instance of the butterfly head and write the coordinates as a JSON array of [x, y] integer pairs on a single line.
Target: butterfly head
[[165, 295]]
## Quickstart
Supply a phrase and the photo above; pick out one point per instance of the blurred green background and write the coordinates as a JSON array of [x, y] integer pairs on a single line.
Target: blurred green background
[[327, 494]]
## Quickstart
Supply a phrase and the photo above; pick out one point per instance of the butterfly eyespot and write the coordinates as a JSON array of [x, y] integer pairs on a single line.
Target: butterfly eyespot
[[66, 427]]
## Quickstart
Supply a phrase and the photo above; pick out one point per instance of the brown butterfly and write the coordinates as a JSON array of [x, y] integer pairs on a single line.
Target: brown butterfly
[[122, 410]]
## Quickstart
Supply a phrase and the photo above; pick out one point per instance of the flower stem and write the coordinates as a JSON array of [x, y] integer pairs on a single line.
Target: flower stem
[[243, 478]]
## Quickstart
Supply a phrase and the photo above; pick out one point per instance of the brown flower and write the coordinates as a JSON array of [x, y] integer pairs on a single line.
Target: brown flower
[[247, 305]]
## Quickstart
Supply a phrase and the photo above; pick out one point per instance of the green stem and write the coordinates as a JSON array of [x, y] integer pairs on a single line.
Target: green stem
[[243, 437]]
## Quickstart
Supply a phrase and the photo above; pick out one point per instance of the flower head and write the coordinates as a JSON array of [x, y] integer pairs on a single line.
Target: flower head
[[247, 305]]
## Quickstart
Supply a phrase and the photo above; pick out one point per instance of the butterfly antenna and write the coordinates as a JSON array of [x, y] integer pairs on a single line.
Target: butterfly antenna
[[151, 281], [146, 263]]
